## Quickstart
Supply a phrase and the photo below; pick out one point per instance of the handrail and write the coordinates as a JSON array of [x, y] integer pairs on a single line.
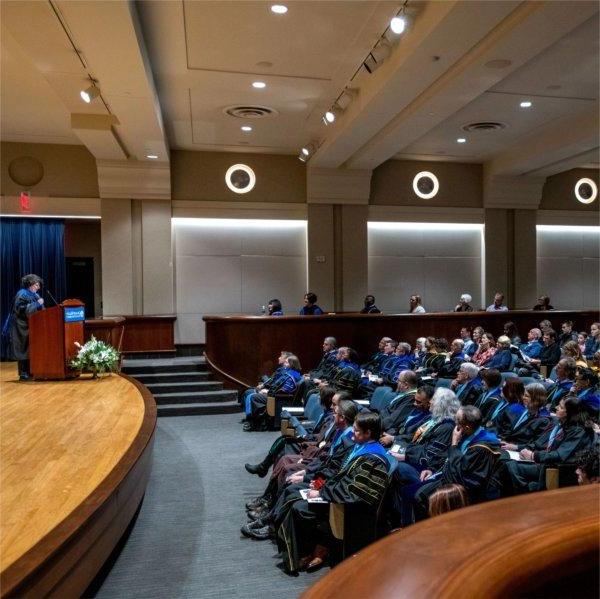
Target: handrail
[[497, 549]]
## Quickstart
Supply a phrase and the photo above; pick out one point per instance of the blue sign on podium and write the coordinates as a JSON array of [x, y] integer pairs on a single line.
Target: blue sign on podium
[[74, 313]]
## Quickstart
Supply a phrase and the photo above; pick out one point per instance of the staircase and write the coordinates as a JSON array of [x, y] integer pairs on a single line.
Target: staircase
[[182, 386]]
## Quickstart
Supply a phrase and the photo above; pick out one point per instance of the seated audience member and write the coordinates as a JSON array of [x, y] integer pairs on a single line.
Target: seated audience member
[[560, 443], [455, 358], [256, 403], [565, 377], [328, 362], [586, 389], [267, 381], [472, 456], [571, 350], [486, 350], [581, 339], [370, 307], [470, 347], [546, 325], [401, 432], [374, 363], [346, 376], [420, 351], [511, 331], [275, 308], [285, 445], [509, 409], [414, 306], [532, 422], [448, 498], [588, 467], [502, 359], [478, 333], [304, 533], [310, 307], [429, 444], [531, 349], [543, 303], [270, 508], [464, 303], [567, 333], [395, 413], [434, 357], [491, 397], [467, 384], [592, 343], [404, 361], [549, 356], [498, 305]]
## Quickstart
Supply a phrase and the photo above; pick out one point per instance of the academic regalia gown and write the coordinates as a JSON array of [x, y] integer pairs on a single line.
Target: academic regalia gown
[[25, 304], [528, 429], [363, 479], [395, 413]]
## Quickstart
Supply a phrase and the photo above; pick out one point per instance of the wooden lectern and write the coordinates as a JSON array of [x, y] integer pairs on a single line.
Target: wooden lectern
[[52, 336]]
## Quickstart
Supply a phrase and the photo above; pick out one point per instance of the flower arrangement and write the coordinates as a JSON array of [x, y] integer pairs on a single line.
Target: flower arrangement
[[95, 357]]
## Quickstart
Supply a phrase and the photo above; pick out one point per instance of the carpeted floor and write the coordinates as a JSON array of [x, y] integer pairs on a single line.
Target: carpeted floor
[[186, 541]]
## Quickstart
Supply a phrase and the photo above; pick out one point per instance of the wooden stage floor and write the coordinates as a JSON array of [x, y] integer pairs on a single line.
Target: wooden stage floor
[[59, 442]]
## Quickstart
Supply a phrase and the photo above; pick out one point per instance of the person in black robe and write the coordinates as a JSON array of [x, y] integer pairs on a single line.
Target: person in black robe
[[396, 411], [565, 378], [323, 466], [507, 412], [571, 433], [363, 479], [26, 302], [532, 423], [491, 397], [467, 384], [456, 359], [471, 460]]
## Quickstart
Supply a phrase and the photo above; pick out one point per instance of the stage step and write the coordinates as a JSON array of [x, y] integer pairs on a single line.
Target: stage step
[[173, 377], [196, 409], [216, 396], [182, 386]]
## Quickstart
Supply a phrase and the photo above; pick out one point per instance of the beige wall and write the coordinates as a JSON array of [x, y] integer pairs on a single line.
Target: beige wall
[[460, 184], [69, 171], [321, 266], [559, 191], [201, 176], [82, 240]]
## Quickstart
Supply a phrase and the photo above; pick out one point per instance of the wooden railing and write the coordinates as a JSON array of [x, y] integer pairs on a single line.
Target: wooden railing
[[245, 347], [535, 545]]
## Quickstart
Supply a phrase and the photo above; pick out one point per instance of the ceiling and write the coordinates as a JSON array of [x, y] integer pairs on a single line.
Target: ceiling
[[170, 69]]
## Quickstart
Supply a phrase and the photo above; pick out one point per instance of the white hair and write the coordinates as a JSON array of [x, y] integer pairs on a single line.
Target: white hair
[[471, 370], [444, 404], [465, 297]]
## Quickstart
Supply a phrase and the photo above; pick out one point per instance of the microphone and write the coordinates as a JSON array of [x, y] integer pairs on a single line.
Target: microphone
[[51, 296]]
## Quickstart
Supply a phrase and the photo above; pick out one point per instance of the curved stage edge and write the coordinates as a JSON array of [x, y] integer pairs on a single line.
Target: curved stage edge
[[64, 560], [535, 545]]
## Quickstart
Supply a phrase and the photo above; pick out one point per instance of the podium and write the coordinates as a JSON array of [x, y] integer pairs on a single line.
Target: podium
[[52, 336]]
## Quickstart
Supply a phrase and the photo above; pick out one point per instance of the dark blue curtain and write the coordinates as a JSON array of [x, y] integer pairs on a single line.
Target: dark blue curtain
[[31, 245]]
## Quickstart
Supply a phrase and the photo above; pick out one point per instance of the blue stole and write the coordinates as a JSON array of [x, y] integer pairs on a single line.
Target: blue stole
[[345, 434], [501, 405], [522, 418], [584, 393], [30, 296], [320, 419], [412, 416], [344, 364], [487, 395], [479, 435], [555, 431], [369, 448], [398, 398]]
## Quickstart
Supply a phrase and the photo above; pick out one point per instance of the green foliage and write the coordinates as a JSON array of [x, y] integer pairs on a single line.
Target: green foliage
[[96, 357]]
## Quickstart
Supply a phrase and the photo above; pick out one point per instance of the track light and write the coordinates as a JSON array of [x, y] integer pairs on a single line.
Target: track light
[[371, 64], [87, 95], [398, 25]]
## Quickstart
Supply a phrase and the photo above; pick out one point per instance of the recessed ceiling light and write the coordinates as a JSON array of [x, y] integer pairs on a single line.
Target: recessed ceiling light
[[461, 140], [259, 84], [279, 9], [246, 128], [526, 104], [397, 25], [152, 156]]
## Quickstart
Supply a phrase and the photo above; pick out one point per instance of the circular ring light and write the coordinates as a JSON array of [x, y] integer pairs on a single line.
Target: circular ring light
[[426, 185], [240, 178], [586, 190]]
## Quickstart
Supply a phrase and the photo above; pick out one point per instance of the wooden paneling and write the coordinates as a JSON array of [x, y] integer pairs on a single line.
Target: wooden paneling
[[149, 334], [526, 546], [76, 458], [110, 330], [245, 347]]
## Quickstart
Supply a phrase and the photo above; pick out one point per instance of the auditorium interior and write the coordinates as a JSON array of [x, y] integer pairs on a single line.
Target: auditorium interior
[[176, 165]]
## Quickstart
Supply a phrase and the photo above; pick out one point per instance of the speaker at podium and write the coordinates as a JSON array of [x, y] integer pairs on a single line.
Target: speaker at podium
[[53, 333]]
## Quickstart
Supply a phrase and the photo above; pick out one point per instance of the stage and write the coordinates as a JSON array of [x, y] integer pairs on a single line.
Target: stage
[[75, 459]]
